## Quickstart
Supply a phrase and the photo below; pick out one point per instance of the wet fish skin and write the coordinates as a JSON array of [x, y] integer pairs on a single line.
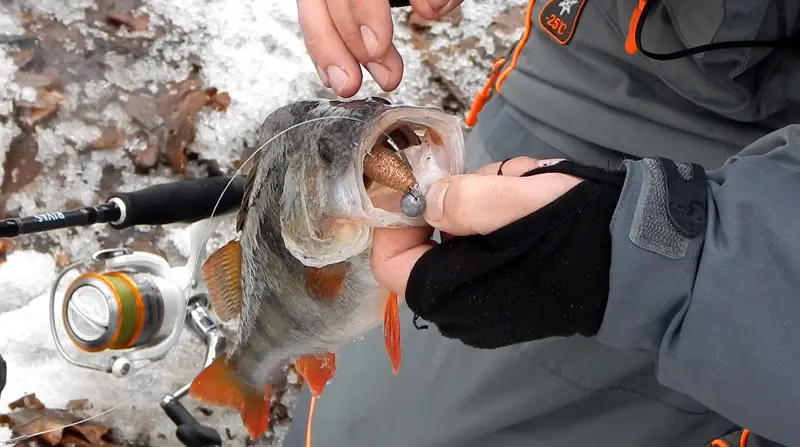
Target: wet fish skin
[[289, 310]]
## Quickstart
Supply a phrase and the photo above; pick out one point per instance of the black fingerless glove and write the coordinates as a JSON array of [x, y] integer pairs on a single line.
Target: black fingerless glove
[[542, 276]]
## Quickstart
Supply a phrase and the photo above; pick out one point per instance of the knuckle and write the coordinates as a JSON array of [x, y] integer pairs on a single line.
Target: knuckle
[[314, 40], [457, 202], [351, 36]]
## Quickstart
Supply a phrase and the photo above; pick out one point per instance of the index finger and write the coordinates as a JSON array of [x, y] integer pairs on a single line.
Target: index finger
[[327, 49]]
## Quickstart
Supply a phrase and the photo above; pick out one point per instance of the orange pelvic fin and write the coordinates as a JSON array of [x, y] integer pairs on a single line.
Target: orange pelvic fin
[[218, 385], [391, 331], [326, 282], [317, 370], [221, 273]]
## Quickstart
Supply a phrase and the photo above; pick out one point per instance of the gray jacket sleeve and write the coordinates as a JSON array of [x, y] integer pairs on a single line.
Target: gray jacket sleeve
[[720, 310]]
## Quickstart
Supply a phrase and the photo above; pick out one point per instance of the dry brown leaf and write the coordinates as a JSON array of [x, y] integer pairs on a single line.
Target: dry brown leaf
[[79, 405], [416, 21], [144, 110], [146, 158], [62, 260], [180, 129], [46, 105], [45, 80], [32, 418], [222, 101], [29, 401], [74, 441], [22, 57], [26, 17], [20, 166], [510, 20], [120, 18], [111, 138]]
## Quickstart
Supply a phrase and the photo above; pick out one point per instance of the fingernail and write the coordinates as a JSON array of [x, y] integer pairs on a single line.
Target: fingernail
[[438, 4], [434, 211], [379, 73], [338, 78], [370, 40], [323, 77]]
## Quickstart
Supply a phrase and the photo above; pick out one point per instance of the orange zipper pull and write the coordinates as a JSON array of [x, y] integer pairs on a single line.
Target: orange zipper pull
[[630, 41], [483, 95]]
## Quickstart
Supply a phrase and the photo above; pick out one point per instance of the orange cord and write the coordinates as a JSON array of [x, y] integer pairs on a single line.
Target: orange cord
[[630, 41], [308, 422], [498, 78], [518, 49], [483, 96], [743, 438]]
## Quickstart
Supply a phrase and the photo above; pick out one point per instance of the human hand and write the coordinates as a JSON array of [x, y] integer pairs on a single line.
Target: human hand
[[530, 258], [341, 34], [464, 205]]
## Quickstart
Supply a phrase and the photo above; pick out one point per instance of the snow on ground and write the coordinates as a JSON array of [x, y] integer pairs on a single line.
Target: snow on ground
[[251, 49]]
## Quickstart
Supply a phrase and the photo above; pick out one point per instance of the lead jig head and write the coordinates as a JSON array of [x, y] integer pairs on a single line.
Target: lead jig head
[[412, 204]]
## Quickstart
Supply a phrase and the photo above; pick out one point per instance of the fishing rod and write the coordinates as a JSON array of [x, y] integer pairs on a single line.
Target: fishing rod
[[183, 201], [133, 304]]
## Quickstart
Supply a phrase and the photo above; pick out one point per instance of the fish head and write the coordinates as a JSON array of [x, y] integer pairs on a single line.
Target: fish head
[[328, 203]]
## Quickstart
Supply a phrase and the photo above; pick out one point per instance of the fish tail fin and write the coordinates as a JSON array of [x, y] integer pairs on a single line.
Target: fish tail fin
[[218, 385], [391, 331]]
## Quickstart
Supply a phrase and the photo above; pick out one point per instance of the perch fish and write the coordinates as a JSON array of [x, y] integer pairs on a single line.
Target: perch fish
[[297, 274]]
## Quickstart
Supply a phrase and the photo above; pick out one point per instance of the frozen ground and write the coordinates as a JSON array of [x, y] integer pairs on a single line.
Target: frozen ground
[[249, 49]]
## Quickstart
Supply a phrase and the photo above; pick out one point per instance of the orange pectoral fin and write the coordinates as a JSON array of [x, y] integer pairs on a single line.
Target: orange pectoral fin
[[218, 385], [391, 331], [221, 273], [326, 282], [317, 370]]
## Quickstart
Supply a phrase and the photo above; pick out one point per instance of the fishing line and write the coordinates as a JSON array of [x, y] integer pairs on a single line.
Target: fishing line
[[203, 242]]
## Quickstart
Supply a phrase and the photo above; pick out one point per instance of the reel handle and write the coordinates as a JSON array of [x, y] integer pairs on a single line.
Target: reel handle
[[184, 201], [190, 432]]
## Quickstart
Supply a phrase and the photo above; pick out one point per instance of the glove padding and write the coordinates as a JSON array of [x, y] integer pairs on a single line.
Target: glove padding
[[542, 276]]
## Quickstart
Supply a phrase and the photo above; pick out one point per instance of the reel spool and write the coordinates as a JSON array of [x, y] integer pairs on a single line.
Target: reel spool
[[135, 304], [114, 310]]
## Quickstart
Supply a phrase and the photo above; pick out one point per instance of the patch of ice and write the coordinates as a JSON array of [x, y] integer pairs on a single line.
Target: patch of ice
[[24, 276], [67, 11], [250, 49]]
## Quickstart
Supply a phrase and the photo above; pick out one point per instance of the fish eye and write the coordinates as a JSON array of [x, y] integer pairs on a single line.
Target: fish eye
[[325, 150]]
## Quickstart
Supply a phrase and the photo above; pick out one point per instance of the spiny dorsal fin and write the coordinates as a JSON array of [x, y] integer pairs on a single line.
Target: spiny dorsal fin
[[221, 272], [326, 282]]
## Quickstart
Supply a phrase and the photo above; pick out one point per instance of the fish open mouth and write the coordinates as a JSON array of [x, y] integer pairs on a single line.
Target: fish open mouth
[[410, 148], [398, 155]]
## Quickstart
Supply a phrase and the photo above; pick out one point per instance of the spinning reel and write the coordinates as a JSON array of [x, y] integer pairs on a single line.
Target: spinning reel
[[134, 304]]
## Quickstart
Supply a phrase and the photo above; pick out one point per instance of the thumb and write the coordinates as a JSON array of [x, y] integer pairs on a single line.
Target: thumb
[[480, 204]]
